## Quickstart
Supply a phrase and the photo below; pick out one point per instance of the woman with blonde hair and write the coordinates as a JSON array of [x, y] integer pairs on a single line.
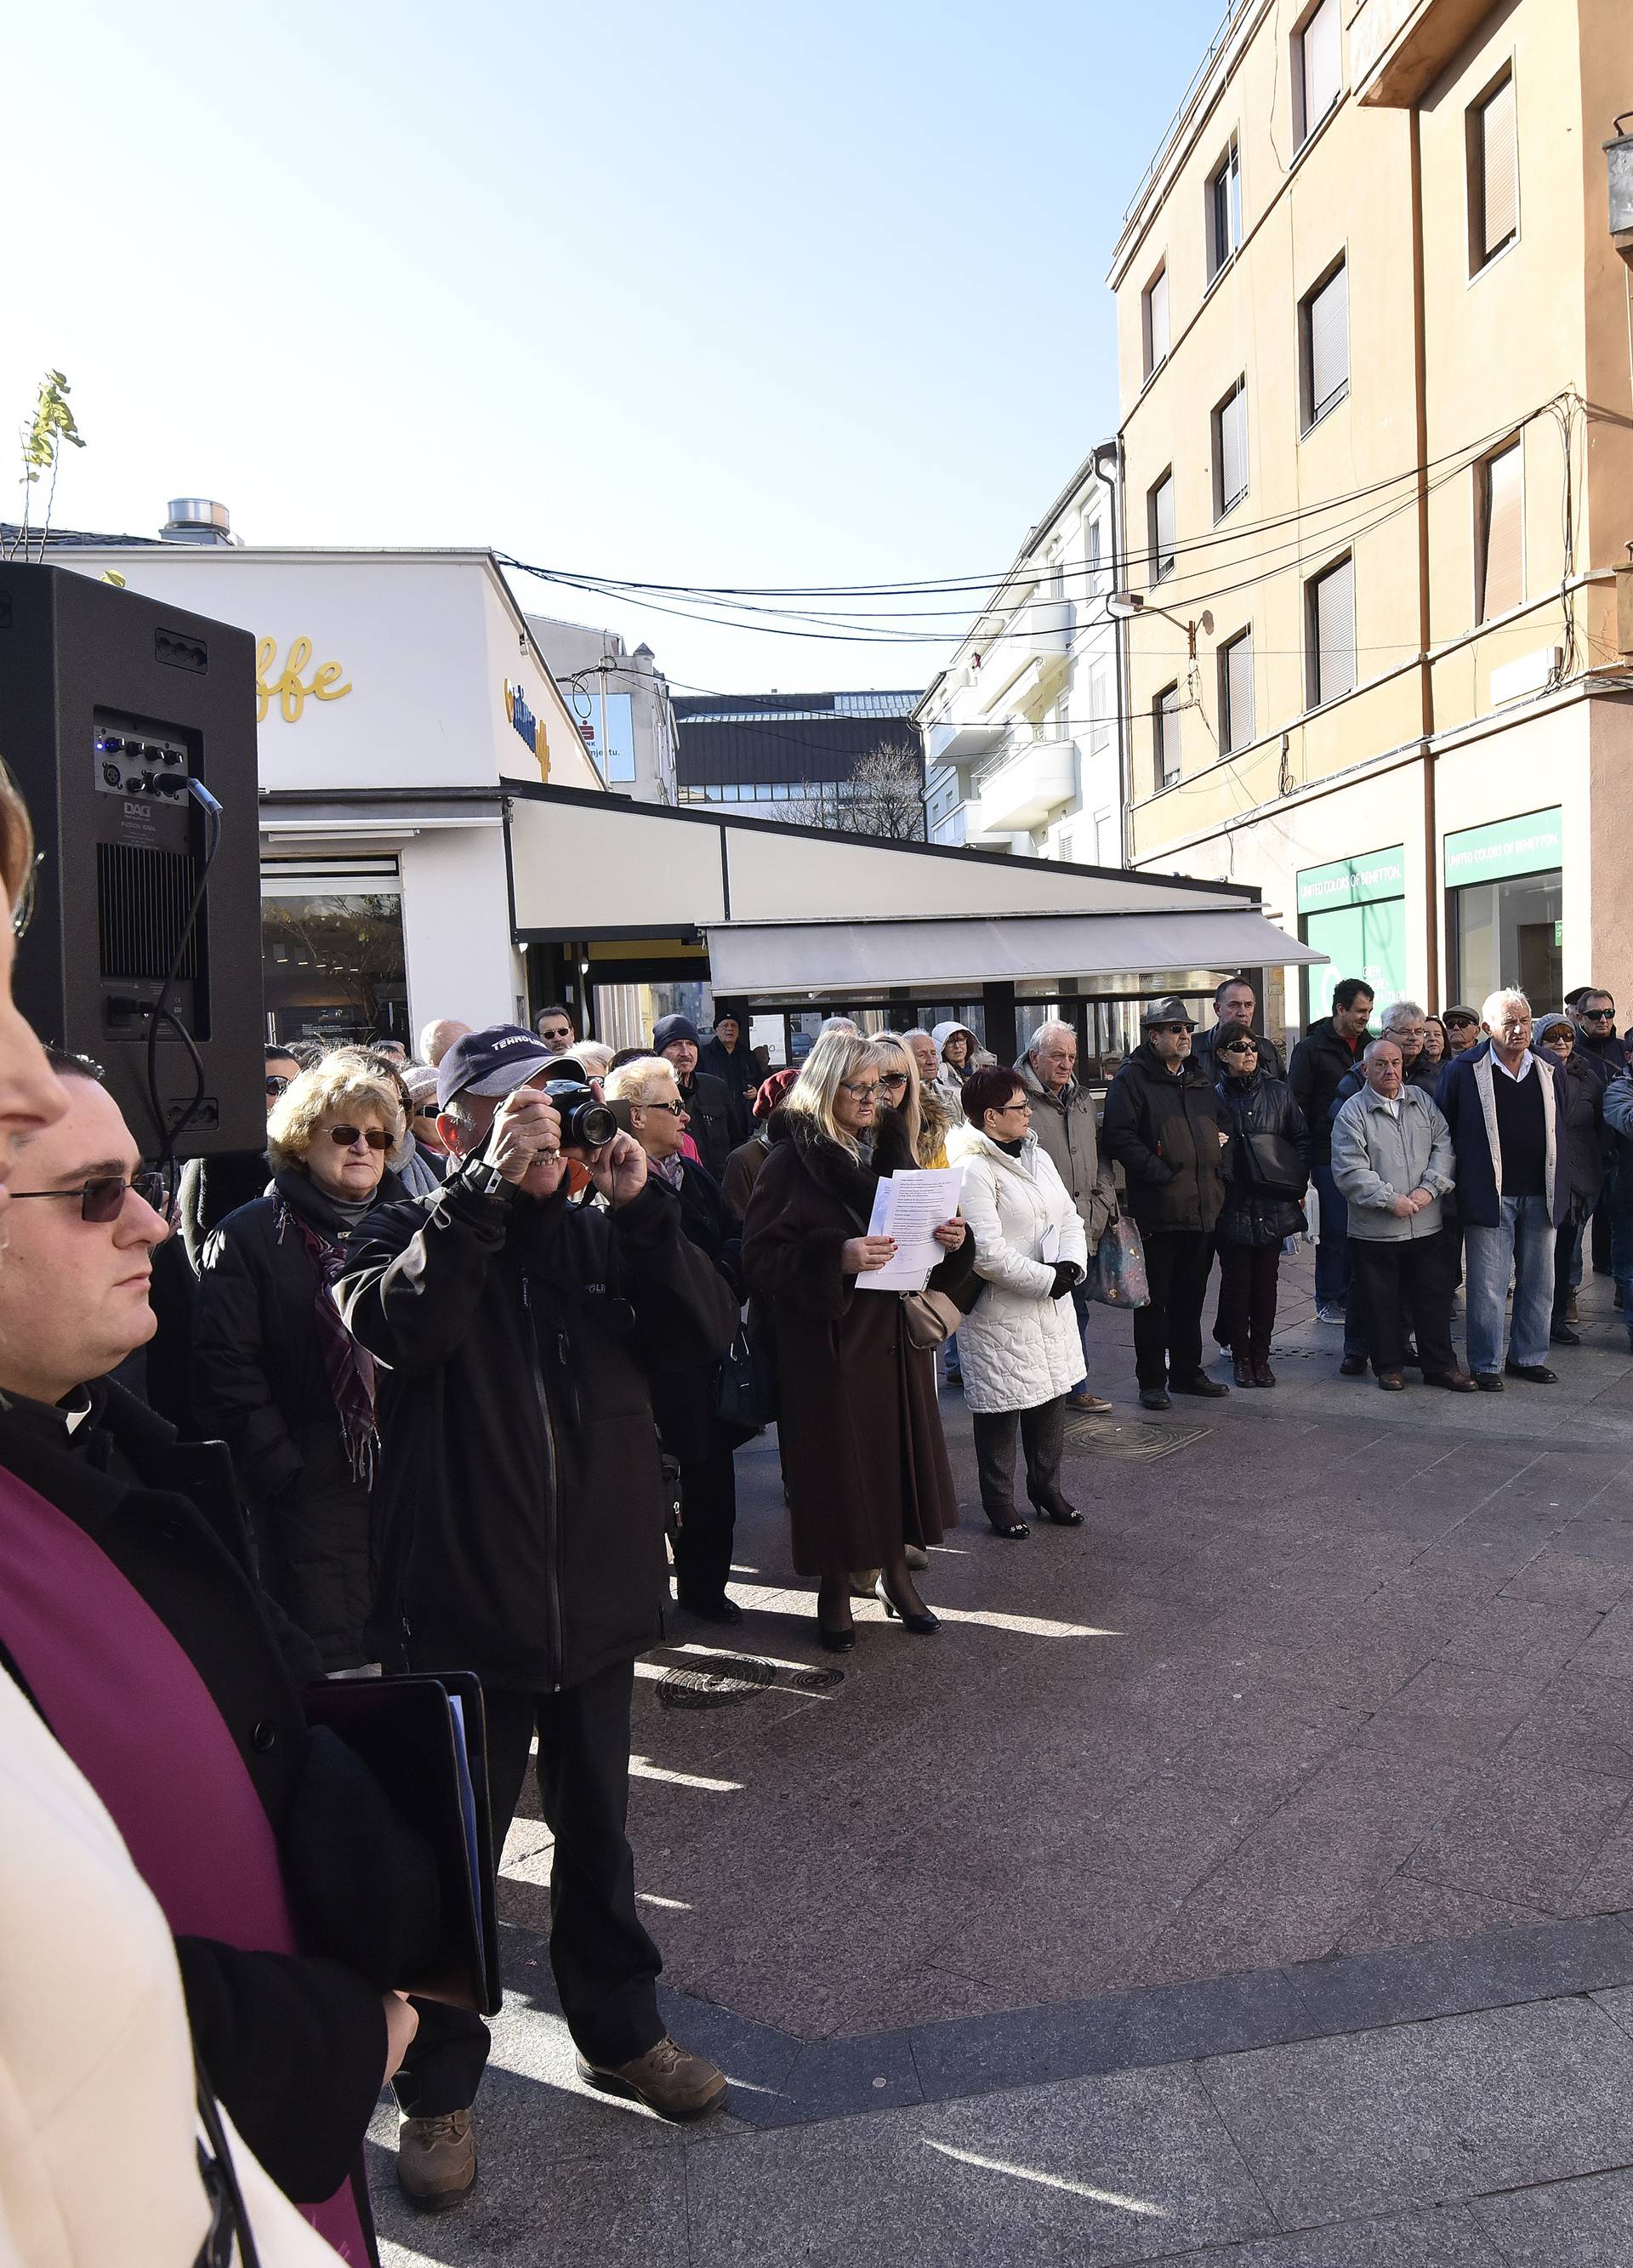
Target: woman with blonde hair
[[277, 1374], [861, 1434], [926, 1116]]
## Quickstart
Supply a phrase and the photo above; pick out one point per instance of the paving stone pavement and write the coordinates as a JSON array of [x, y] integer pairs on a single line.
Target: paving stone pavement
[[1246, 1876]]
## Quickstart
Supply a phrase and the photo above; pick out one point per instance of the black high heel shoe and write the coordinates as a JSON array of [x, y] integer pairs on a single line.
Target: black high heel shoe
[[836, 1641], [1014, 1531], [920, 1625], [1059, 1513]]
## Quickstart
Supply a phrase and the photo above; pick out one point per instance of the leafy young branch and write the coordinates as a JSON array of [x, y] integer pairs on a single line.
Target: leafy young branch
[[43, 438]]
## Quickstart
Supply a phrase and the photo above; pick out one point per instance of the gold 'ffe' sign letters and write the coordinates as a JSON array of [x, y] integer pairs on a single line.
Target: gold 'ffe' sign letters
[[286, 688]]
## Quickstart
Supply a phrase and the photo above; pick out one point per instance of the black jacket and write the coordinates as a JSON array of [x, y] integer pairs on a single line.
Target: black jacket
[[1258, 1105], [1163, 1127], [712, 1119], [260, 1382], [682, 1394], [737, 1071], [211, 1189], [520, 1479], [1605, 1055], [1590, 1141], [1319, 1062], [295, 2044], [1203, 1052]]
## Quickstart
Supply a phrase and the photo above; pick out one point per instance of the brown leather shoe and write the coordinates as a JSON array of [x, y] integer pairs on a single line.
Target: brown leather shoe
[[435, 2160], [1392, 1381], [1455, 1381], [1080, 1398], [1262, 1374], [1241, 1370], [667, 2079]]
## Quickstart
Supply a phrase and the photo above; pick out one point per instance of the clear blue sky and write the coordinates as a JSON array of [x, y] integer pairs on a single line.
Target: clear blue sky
[[711, 292]]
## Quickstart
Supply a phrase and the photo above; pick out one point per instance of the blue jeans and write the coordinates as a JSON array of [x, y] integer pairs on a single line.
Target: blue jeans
[[1521, 1245], [1332, 1250]]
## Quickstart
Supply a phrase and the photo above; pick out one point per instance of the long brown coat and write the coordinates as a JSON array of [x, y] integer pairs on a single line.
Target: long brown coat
[[863, 1449]]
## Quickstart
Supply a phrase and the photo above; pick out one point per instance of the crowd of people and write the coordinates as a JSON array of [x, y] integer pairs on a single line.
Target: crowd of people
[[453, 1376]]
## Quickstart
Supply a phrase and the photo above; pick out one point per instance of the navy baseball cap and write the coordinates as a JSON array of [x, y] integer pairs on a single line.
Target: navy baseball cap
[[493, 1061]]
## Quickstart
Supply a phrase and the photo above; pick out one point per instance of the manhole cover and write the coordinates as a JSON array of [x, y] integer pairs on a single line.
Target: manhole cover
[[813, 1680], [721, 1683], [1127, 1437]]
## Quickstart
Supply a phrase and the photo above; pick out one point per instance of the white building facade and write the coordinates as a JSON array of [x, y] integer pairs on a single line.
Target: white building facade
[[1022, 743]]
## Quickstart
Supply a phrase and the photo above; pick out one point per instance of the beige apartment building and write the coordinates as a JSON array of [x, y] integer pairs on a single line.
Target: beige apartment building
[[1376, 373]]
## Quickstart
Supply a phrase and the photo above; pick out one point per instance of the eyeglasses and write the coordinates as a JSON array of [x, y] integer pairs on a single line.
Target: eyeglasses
[[677, 1108], [1170, 1029], [1241, 1048], [1559, 1041], [859, 1091], [103, 1200], [426, 1111], [1005, 1108], [561, 1032], [1598, 1015], [276, 1084], [23, 911], [1461, 1023], [893, 1078], [343, 1137]]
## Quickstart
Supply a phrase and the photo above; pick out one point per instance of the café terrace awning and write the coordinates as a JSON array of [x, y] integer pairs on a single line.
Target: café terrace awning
[[766, 958]]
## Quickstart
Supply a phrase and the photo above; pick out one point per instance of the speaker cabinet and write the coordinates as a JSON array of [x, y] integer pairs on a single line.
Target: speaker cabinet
[[109, 703]]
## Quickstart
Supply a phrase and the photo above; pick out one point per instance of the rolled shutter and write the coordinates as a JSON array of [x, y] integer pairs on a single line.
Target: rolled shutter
[[1334, 632], [1503, 584], [1157, 321], [1329, 343], [1499, 170], [1233, 448], [1323, 73], [1162, 527], [1239, 691]]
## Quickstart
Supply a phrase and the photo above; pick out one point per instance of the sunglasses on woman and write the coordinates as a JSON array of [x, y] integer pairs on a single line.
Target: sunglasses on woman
[[343, 1137], [104, 1199], [276, 1083]]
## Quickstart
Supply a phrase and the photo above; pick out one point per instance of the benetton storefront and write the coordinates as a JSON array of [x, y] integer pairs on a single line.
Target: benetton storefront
[[1504, 903], [1354, 911]]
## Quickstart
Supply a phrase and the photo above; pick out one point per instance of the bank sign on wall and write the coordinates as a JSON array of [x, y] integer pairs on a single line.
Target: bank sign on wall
[[1354, 911]]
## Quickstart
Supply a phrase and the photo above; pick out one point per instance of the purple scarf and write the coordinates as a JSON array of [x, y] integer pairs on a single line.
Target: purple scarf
[[350, 1368]]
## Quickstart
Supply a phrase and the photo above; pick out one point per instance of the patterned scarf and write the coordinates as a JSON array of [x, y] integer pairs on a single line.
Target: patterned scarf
[[667, 1169], [350, 1367]]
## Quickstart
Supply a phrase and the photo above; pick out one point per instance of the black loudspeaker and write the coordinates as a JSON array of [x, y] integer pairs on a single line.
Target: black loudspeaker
[[110, 703]]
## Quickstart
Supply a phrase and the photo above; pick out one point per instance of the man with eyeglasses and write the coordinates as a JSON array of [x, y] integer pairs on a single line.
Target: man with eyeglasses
[[523, 1497], [555, 1028], [1462, 1029], [1592, 1013], [1167, 1128]]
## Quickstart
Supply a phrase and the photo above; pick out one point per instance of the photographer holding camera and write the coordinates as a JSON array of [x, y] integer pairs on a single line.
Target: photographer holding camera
[[524, 1509]]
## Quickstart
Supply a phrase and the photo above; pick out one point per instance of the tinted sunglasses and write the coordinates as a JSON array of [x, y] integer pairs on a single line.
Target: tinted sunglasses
[[343, 1137], [104, 1199], [426, 1111], [1461, 1023], [677, 1108], [276, 1084]]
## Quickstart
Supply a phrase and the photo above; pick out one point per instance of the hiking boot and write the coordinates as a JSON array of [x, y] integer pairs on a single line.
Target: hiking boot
[[667, 2079], [435, 2160]]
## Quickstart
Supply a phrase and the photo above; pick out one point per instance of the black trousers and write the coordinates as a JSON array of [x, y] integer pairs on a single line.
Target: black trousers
[[606, 1965], [1249, 1275], [1411, 1276], [1042, 1438], [703, 1546], [1167, 1334]]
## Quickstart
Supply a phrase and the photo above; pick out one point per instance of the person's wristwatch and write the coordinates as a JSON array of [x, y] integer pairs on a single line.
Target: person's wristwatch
[[483, 1178]]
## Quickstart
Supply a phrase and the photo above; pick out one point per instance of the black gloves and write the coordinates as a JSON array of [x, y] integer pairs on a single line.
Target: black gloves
[[1067, 1273]]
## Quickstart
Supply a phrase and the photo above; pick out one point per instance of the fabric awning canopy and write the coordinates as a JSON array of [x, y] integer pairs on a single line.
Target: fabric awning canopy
[[760, 958]]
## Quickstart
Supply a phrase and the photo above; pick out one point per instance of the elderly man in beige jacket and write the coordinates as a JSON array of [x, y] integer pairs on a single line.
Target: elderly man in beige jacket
[[1063, 1120]]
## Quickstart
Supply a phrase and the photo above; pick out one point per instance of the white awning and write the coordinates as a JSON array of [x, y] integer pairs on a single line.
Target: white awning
[[759, 958]]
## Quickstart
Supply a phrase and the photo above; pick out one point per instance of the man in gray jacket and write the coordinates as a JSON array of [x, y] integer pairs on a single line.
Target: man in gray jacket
[[1063, 1119], [1392, 1161]]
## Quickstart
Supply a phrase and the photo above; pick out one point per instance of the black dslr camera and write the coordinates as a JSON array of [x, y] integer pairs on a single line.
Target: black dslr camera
[[587, 1123]]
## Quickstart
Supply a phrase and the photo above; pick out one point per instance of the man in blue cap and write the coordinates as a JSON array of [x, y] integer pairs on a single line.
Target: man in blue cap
[[525, 1513]]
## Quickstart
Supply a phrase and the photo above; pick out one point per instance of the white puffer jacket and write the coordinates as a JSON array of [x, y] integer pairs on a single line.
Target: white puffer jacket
[[1018, 1347]]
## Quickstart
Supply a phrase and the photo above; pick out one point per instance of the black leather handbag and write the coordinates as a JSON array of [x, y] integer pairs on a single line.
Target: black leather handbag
[[1276, 1166]]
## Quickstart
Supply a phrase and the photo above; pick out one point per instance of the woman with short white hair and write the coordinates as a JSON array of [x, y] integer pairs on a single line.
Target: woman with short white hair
[[276, 1374], [861, 1434]]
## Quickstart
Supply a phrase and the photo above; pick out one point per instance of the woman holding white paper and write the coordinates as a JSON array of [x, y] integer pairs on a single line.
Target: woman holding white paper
[[1020, 1348], [863, 1449]]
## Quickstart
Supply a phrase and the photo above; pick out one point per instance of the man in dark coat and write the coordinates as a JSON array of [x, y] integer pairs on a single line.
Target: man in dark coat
[[1166, 1127], [1234, 1006], [710, 1111], [683, 1395], [726, 1055], [525, 1508], [1593, 1013], [1327, 1052], [295, 2044], [1508, 1111]]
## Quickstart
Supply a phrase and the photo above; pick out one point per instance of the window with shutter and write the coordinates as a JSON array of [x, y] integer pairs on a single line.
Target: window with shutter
[[1320, 69], [1330, 633], [1166, 732], [1156, 313], [1160, 515], [1500, 572], [1493, 174], [1236, 692], [1325, 345], [1225, 211], [1230, 450]]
